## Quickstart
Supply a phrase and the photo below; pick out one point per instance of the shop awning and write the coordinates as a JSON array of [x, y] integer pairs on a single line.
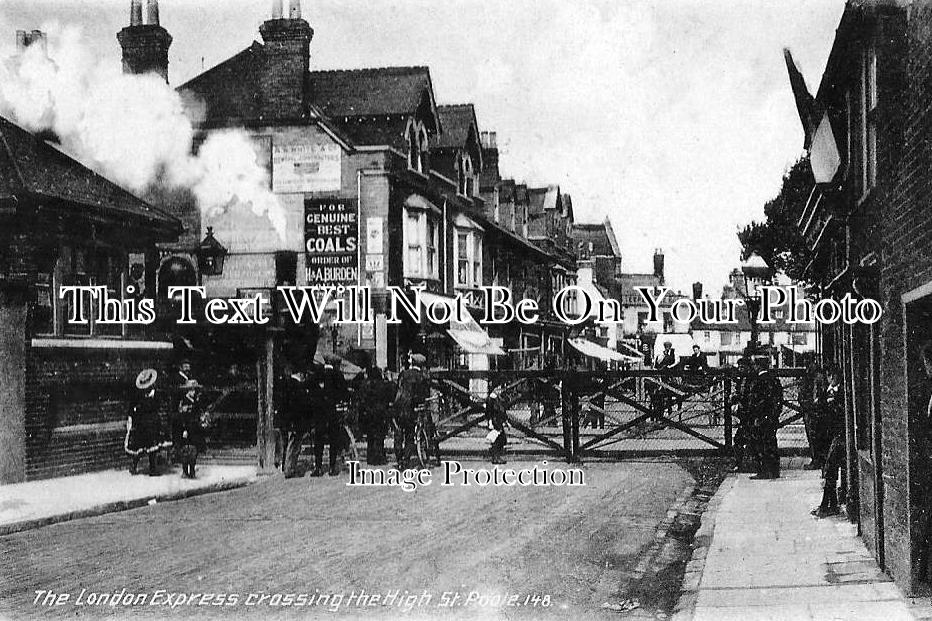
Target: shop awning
[[594, 350], [468, 334], [631, 351]]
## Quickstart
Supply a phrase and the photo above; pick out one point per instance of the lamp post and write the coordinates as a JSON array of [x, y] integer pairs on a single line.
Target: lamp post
[[755, 270]]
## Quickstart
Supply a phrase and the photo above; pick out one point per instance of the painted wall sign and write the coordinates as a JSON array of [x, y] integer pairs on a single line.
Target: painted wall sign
[[331, 241], [306, 167]]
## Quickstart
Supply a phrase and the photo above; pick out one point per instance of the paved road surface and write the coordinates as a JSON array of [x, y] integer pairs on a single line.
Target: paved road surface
[[574, 548]]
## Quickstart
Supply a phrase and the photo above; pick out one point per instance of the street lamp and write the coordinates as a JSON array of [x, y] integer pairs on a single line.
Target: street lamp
[[755, 270], [210, 255]]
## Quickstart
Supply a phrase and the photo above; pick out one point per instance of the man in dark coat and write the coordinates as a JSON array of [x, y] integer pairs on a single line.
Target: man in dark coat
[[832, 417], [329, 389], [374, 396], [765, 402], [294, 412], [741, 445], [413, 391], [497, 418]]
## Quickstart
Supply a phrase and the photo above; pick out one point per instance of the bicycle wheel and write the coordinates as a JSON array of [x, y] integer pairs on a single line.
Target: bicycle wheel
[[422, 443]]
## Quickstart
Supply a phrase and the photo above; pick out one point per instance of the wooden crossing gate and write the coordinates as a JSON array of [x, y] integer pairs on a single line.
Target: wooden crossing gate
[[576, 414]]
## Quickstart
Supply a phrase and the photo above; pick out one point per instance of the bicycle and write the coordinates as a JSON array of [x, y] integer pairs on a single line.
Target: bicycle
[[425, 432]]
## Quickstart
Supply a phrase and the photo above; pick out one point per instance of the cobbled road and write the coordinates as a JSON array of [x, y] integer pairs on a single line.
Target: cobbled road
[[525, 552]]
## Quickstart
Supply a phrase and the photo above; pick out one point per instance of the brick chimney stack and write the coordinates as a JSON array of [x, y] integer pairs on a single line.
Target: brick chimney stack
[[489, 141], [145, 45], [287, 61], [658, 265]]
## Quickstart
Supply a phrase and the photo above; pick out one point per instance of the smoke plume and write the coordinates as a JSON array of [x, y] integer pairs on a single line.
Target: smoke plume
[[133, 129]]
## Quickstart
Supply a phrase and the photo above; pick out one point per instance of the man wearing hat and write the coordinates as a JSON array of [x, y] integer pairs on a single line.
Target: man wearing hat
[[329, 390], [765, 402], [294, 412], [413, 391], [190, 441], [143, 435]]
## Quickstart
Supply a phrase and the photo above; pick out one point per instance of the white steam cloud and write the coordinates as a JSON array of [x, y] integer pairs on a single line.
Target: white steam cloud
[[132, 129]]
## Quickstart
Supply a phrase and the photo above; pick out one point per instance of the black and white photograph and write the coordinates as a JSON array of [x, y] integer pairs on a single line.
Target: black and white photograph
[[466, 309]]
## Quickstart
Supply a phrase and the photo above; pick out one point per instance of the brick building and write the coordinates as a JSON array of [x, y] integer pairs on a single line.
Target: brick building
[[868, 231], [66, 386], [408, 172]]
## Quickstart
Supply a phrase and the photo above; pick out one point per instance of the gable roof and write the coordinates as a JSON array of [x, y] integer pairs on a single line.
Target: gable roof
[[371, 91], [365, 106], [30, 166], [600, 235], [457, 120]]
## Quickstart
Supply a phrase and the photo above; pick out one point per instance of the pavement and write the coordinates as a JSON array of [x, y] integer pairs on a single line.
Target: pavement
[[39, 503], [760, 555]]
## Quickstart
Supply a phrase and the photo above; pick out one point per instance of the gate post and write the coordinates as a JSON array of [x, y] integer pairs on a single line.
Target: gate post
[[726, 407]]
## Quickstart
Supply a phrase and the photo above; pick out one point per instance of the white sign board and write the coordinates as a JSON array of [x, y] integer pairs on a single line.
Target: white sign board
[[306, 168], [374, 235]]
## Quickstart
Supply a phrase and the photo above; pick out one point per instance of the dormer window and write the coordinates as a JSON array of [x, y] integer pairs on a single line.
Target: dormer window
[[466, 181], [418, 145]]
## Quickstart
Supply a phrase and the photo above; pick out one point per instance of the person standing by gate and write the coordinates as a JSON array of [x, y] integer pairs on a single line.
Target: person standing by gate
[[741, 444], [832, 416], [765, 400], [373, 398], [495, 412]]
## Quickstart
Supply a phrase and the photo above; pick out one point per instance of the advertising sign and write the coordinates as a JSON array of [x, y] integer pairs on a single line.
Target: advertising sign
[[331, 241], [305, 168]]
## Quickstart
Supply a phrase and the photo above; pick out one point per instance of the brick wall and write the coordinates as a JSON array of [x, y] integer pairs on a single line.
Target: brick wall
[[904, 196], [77, 400]]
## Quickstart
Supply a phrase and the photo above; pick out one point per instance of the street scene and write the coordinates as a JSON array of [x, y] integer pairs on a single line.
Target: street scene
[[472, 310]]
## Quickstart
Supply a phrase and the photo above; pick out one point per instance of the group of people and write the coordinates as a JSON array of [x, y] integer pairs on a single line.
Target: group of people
[[309, 405], [187, 422]]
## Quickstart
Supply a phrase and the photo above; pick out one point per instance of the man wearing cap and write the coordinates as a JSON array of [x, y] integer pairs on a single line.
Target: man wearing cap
[[143, 435], [328, 390], [413, 390], [765, 402]]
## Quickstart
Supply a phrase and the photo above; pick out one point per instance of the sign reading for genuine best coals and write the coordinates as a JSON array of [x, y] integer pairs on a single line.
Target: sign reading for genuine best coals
[[331, 240]]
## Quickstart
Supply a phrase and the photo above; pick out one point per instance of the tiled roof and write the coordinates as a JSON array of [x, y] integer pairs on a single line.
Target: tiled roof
[[597, 235], [30, 166], [366, 92], [230, 90], [368, 105], [456, 121]]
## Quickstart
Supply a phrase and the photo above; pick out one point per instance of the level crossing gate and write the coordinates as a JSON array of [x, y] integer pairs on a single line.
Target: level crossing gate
[[575, 414]]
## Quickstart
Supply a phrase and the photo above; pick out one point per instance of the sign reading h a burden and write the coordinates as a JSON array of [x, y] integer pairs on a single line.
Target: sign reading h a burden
[[331, 240]]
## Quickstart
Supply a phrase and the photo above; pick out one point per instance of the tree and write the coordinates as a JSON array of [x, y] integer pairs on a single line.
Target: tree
[[778, 239]]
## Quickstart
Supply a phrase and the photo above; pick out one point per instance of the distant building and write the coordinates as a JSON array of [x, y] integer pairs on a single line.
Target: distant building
[[791, 344]]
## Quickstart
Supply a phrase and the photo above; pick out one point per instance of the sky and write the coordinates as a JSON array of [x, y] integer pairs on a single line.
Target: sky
[[673, 118]]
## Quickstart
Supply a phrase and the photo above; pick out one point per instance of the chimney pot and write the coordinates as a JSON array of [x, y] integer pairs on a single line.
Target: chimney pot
[[152, 12], [493, 140], [20, 40], [278, 9], [135, 13], [294, 9]]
